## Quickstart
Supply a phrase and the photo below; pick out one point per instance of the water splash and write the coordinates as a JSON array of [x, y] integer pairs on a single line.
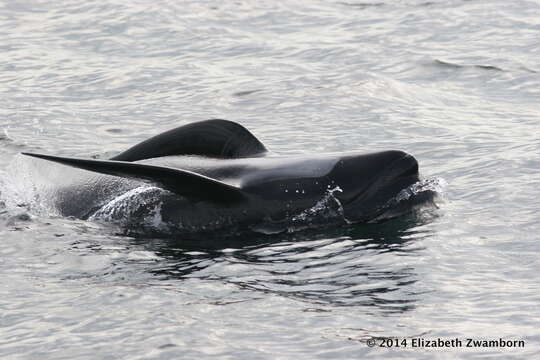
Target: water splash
[[23, 188], [138, 208], [329, 207], [327, 210], [418, 195], [435, 184]]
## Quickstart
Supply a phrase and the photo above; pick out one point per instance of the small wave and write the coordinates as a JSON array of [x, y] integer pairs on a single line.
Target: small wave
[[450, 65], [367, 5], [246, 92], [363, 5]]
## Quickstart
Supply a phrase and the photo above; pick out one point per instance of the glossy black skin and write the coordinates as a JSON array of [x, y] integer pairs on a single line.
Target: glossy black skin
[[218, 175], [276, 187]]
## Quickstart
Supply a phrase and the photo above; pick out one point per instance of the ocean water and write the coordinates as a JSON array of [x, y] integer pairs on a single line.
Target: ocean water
[[455, 83]]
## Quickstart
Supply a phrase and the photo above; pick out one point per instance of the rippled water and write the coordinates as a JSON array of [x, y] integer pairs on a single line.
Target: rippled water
[[455, 83]]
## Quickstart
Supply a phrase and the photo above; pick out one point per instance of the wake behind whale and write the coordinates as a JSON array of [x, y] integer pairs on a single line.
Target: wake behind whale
[[215, 175]]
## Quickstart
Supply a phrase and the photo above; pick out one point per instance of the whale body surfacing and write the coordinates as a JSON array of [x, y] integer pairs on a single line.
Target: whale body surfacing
[[215, 174]]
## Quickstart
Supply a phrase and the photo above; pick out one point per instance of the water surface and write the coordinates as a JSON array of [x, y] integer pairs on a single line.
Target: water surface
[[455, 83]]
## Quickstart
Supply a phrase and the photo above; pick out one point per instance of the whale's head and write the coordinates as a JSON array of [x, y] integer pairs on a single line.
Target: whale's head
[[371, 183]]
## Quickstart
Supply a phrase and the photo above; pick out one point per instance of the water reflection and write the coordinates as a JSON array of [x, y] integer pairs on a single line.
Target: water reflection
[[364, 265]]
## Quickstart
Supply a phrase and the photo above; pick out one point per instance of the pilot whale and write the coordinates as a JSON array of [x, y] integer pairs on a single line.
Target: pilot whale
[[216, 174]]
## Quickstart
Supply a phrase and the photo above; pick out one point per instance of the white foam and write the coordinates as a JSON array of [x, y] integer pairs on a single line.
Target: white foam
[[141, 205], [435, 184]]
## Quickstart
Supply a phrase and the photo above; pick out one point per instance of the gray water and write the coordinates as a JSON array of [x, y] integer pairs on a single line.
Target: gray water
[[455, 83]]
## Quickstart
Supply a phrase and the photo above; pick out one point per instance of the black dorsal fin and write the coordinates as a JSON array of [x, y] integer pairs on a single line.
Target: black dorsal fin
[[182, 182], [214, 138]]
